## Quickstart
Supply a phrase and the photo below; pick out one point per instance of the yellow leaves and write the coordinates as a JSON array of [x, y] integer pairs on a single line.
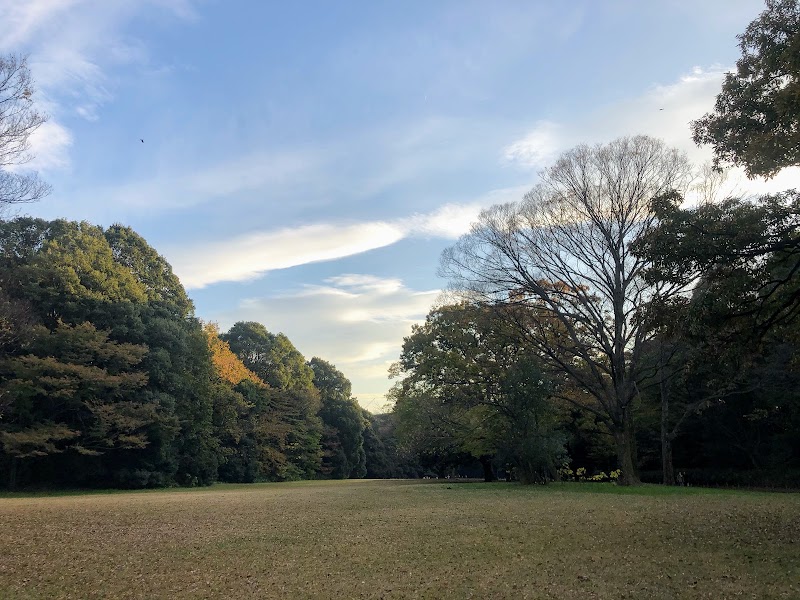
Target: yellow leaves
[[226, 363]]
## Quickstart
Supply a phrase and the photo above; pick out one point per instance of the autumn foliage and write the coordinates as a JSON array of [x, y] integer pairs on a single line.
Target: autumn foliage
[[226, 363]]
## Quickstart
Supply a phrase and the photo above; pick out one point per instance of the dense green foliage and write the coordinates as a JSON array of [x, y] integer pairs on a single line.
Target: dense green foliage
[[64, 275], [756, 118], [744, 254], [108, 379], [472, 386], [734, 338], [344, 423]]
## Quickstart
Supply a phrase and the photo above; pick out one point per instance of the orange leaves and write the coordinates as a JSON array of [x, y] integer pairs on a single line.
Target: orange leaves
[[226, 363]]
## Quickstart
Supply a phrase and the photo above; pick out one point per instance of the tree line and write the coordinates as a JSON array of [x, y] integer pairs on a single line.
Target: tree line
[[107, 378], [604, 323]]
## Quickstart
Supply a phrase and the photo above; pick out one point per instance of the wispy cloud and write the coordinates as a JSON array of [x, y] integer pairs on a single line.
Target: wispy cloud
[[538, 148], [20, 21], [250, 256], [664, 111], [365, 318], [183, 9], [380, 286], [72, 44], [352, 169], [261, 172], [50, 147]]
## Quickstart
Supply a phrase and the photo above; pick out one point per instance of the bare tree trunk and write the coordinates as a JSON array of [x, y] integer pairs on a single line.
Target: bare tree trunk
[[488, 471], [667, 470], [12, 473], [625, 437]]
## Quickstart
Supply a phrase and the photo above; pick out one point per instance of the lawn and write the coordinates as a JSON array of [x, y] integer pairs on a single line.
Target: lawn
[[402, 539]]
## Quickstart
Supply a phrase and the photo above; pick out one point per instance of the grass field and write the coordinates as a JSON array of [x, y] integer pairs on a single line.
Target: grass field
[[402, 539]]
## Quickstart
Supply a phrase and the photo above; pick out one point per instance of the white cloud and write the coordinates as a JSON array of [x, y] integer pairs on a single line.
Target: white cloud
[[664, 111], [50, 146], [366, 283], [71, 44], [537, 148], [786, 179], [356, 321], [252, 255], [449, 221], [19, 21]]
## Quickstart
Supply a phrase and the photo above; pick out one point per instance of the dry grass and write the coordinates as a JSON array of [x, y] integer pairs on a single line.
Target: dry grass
[[390, 539]]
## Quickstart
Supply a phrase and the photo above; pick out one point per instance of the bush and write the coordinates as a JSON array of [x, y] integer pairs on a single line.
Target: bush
[[755, 479], [580, 474]]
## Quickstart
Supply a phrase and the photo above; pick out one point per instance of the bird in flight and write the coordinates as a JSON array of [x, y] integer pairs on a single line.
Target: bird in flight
[[142, 141]]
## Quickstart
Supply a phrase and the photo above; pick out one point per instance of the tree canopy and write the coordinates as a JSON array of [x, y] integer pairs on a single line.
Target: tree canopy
[[564, 251], [343, 442], [756, 119], [741, 257], [107, 378], [19, 119], [469, 385]]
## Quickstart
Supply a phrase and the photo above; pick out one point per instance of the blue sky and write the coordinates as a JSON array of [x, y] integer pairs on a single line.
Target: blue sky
[[305, 163]]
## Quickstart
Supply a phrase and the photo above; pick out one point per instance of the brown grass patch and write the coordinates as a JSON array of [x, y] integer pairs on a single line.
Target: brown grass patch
[[391, 539]]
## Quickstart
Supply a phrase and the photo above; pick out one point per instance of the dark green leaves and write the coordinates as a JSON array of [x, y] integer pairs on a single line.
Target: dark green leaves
[[756, 118]]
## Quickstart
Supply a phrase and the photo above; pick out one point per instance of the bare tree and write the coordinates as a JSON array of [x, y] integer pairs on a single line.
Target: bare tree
[[18, 120], [563, 253], [709, 186]]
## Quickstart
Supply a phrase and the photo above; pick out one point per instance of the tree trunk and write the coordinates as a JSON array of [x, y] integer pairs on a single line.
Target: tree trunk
[[12, 473], [667, 470], [488, 471], [626, 450]]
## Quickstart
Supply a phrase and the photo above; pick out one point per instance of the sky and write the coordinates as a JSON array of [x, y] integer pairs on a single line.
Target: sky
[[304, 164]]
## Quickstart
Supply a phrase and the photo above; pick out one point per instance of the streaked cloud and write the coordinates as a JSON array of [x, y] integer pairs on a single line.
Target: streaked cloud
[[259, 171], [72, 45], [250, 256], [538, 148], [352, 170], [20, 21], [357, 321], [366, 284]]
